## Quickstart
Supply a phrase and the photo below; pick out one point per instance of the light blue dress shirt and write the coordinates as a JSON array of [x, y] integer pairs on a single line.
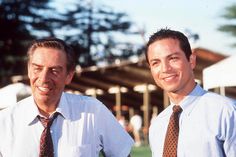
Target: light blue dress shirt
[[83, 127], [207, 126]]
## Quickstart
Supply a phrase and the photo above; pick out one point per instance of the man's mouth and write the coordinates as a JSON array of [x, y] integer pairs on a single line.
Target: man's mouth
[[44, 89], [169, 78]]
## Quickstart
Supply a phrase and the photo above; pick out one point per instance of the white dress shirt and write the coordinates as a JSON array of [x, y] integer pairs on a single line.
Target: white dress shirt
[[83, 127], [136, 122], [207, 126]]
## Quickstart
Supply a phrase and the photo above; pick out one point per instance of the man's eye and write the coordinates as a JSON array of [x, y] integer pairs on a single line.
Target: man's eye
[[55, 71], [155, 63], [174, 58], [36, 69]]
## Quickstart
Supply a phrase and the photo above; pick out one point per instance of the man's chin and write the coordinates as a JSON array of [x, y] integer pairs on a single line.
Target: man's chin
[[171, 89], [42, 97]]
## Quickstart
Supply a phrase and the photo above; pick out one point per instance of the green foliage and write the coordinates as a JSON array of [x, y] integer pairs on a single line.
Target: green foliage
[[229, 15], [15, 18], [230, 12], [90, 29], [19, 19]]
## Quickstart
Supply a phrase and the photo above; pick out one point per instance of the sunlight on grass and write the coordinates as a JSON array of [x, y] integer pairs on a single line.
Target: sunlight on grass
[[143, 151]]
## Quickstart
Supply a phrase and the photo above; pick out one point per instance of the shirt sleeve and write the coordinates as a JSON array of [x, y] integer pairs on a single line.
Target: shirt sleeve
[[115, 141], [230, 135]]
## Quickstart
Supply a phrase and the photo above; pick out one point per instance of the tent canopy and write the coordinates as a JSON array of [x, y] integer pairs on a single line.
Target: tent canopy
[[221, 74], [10, 93]]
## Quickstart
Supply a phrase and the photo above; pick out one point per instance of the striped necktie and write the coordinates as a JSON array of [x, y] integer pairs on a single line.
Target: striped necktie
[[46, 144]]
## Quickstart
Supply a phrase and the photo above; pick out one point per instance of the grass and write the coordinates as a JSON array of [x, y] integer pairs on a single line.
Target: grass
[[143, 151]]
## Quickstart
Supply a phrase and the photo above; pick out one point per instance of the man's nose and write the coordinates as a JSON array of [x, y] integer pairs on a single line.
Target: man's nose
[[44, 76], [165, 66]]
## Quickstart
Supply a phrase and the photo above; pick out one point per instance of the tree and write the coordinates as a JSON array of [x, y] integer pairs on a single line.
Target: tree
[[230, 15], [20, 22], [92, 30]]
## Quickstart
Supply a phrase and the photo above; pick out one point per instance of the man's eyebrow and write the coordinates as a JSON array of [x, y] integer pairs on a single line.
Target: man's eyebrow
[[34, 64], [176, 53], [52, 67], [155, 59], [168, 56]]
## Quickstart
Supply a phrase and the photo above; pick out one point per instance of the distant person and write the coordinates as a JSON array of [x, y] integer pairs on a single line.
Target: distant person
[[122, 121], [136, 124], [51, 123], [202, 124]]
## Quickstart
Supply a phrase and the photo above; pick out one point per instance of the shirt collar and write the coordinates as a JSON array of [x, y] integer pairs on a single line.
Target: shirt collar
[[33, 112], [189, 102], [63, 107]]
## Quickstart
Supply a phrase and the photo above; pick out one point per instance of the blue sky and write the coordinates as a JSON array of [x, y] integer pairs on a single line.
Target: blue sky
[[199, 16]]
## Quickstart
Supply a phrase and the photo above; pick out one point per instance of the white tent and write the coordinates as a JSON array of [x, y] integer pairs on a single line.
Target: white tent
[[10, 93], [221, 74]]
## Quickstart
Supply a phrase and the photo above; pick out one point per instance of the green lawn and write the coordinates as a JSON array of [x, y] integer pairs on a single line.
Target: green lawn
[[143, 151]]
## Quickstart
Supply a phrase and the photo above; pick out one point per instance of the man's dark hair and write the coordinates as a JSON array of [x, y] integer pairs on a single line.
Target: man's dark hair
[[168, 33], [56, 44]]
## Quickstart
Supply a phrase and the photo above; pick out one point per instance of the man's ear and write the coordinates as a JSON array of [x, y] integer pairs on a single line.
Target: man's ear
[[69, 77], [192, 60]]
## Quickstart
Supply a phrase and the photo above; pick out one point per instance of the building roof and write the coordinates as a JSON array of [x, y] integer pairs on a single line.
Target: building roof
[[130, 79]]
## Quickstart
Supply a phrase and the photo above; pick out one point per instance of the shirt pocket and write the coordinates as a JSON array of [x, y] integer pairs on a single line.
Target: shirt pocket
[[75, 151]]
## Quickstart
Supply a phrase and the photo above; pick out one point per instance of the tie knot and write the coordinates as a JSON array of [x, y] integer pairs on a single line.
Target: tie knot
[[47, 122], [177, 109]]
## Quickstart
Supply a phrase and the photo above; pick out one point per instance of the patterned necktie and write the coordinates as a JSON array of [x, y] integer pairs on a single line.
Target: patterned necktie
[[46, 144], [172, 134]]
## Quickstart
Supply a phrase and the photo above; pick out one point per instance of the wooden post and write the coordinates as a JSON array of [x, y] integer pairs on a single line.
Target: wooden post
[[222, 91], [118, 102], [146, 112], [146, 106], [165, 99]]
